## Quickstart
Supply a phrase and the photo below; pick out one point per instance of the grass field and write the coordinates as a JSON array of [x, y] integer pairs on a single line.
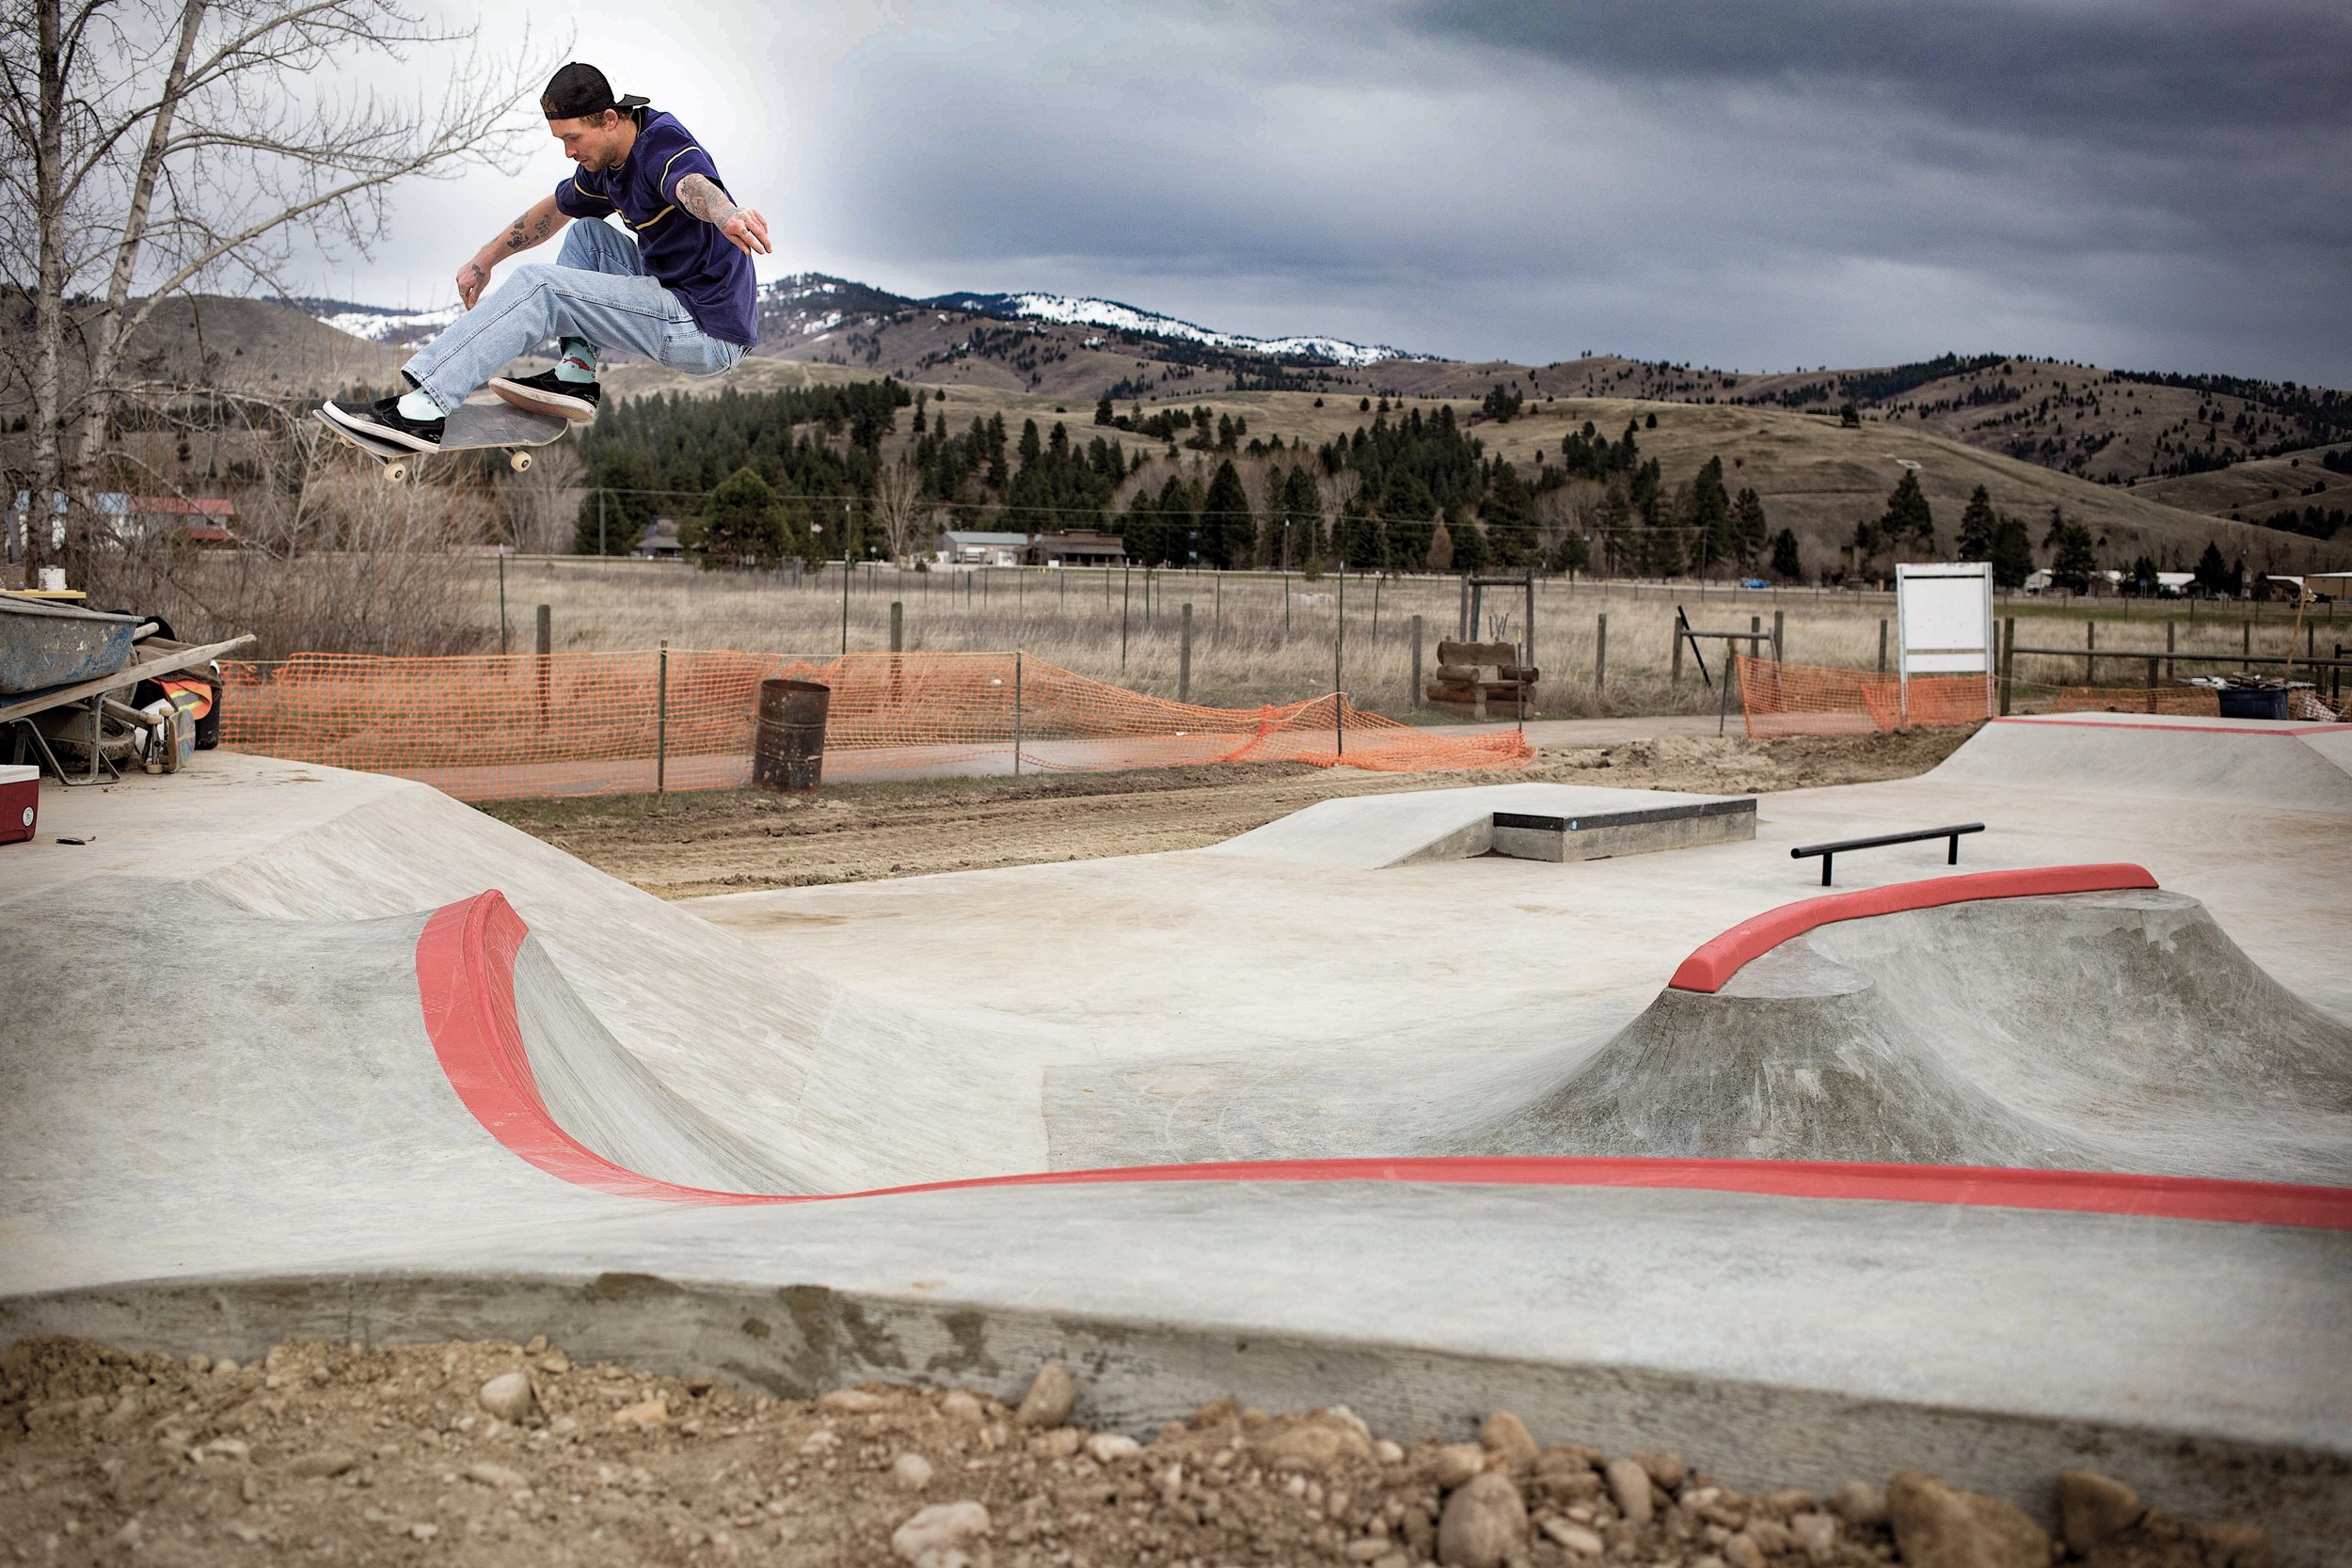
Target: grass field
[[1249, 647]]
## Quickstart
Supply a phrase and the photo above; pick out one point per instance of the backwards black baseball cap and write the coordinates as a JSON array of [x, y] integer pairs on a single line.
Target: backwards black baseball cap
[[579, 90]]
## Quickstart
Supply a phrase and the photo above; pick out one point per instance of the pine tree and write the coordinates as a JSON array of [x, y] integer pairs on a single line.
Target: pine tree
[[741, 525], [1908, 521], [2073, 558], [1710, 518], [2213, 573], [1229, 531], [1510, 513], [1471, 552], [1788, 564], [1976, 527], [1573, 554], [1610, 522], [1104, 412], [1749, 529], [2011, 553], [1410, 512], [618, 480], [1302, 511]]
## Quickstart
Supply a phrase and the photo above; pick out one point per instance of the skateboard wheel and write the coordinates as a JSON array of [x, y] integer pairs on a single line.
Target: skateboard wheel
[[519, 461], [395, 472]]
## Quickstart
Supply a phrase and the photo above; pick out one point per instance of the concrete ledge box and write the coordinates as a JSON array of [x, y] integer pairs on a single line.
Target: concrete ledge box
[[1599, 836], [20, 803]]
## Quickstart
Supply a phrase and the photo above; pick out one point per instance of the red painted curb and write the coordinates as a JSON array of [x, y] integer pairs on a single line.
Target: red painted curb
[[2289, 727], [1711, 966], [466, 977]]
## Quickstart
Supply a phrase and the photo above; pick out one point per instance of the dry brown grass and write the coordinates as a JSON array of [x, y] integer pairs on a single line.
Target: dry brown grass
[[1243, 655]]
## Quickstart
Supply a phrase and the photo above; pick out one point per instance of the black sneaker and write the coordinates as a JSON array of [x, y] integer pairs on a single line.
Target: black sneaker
[[382, 421], [549, 393]]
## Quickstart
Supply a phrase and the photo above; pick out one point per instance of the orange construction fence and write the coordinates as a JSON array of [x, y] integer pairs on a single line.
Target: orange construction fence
[[1810, 699], [2195, 701], [531, 725]]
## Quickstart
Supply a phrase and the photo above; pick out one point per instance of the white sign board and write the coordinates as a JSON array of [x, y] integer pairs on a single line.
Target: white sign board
[[1944, 621]]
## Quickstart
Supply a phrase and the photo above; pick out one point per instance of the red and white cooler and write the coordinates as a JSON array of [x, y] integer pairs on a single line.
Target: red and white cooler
[[20, 803]]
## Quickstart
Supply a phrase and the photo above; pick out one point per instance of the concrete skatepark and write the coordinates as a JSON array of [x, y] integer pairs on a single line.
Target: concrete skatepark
[[1348, 1108]]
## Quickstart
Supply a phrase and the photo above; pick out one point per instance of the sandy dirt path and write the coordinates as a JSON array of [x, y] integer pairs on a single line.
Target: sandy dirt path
[[730, 841]]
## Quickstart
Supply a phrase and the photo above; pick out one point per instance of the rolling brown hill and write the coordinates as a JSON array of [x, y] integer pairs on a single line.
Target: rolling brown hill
[[2036, 433]]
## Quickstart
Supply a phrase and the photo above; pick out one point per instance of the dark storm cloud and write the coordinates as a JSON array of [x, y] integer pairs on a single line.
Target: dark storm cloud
[[2153, 68], [1736, 182]]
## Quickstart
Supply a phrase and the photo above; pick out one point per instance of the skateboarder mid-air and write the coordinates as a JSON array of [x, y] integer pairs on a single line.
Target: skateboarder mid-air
[[677, 288]]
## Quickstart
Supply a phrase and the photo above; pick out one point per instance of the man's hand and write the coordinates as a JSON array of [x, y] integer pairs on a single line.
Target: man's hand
[[747, 232], [471, 280], [745, 229]]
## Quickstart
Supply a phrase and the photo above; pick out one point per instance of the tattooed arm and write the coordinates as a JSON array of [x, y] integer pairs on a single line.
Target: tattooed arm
[[532, 228], [744, 229]]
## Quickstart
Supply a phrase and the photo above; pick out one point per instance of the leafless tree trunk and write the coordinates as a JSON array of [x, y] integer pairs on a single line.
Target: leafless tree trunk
[[901, 510], [154, 147]]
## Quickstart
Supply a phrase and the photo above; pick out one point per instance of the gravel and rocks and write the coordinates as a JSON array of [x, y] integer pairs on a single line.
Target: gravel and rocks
[[359, 1454]]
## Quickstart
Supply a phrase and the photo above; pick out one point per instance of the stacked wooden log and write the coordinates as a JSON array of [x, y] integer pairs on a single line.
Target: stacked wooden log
[[1472, 674]]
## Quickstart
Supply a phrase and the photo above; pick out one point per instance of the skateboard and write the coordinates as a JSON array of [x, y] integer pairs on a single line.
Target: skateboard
[[471, 427]]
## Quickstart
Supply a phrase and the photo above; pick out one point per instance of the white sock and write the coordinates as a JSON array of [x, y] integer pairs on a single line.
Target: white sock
[[419, 404]]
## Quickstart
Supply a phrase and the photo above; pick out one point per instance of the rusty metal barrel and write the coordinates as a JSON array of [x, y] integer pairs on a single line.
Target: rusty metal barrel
[[788, 735]]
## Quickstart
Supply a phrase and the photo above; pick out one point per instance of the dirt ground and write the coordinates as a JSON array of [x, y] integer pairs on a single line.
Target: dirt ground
[[730, 841], [491, 1454]]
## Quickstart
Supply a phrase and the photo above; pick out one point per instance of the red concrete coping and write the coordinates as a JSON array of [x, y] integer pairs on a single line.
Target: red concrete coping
[[466, 979], [1711, 966]]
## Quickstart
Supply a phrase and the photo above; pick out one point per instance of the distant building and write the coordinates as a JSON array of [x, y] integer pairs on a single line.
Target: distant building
[[1077, 548], [201, 520], [962, 548], [660, 542]]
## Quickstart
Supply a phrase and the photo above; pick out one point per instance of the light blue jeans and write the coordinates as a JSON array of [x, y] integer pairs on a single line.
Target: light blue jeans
[[597, 290]]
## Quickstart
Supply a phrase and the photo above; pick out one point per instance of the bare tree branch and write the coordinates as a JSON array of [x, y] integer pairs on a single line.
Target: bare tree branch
[[150, 147]]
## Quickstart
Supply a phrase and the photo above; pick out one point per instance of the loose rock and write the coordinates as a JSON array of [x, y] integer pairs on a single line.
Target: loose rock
[[1665, 1468], [960, 1404], [1815, 1534], [1940, 1527], [2093, 1508], [1741, 1551], [1507, 1436], [1051, 1395], [1629, 1482], [1484, 1522], [911, 1471], [1315, 1441], [646, 1413], [498, 1477], [935, 1537], [850, 1402], [1575, 1537], [1860, 1503], [321, 1464], [1109, 1447], [1454, 1464], [507, 1396]]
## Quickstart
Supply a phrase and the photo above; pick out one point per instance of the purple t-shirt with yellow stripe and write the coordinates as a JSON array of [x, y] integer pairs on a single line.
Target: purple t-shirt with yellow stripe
[[685, 255]]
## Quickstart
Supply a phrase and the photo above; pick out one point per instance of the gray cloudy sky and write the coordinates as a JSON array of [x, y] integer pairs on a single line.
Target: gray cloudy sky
[[1753, 183]]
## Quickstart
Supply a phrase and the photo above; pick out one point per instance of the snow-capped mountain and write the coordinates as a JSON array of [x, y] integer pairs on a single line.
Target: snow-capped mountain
[[1075, 311], [375, 323], [808, 307]]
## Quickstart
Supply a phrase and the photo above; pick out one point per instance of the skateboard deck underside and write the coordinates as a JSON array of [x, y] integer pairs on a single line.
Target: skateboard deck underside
[[473, 426]]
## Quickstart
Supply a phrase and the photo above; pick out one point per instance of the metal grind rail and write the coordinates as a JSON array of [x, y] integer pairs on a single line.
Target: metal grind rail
[[1830, 852]]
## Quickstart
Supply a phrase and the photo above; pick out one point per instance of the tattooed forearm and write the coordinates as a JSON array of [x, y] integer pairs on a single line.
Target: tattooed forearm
[[531, 229], [705, 200]]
